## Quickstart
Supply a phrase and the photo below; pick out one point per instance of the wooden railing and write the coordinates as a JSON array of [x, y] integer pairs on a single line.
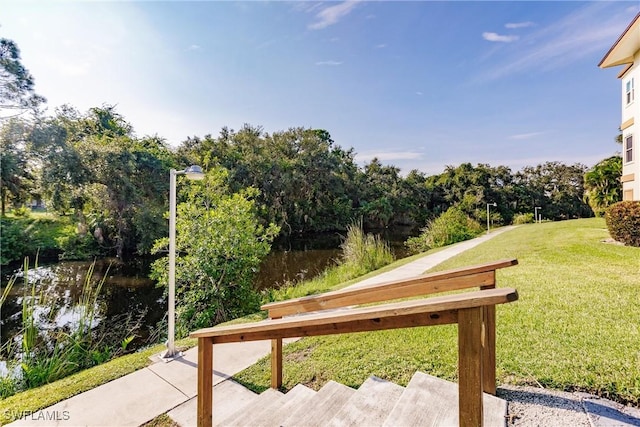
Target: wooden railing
[[474, 312]]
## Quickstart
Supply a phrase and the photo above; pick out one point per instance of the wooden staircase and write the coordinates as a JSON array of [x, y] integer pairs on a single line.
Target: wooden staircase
[[426, 401], [463, 404]]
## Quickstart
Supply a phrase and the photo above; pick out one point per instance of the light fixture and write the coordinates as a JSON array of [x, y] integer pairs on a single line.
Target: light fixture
[[192, 172], [494, 204]]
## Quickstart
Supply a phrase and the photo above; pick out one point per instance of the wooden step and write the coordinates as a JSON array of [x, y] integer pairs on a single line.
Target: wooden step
[[249, 415], [369, 405], [431, 401], [229, 398], [320, 408], [299, 396]]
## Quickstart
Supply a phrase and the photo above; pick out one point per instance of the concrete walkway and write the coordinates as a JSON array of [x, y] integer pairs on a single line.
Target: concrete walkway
[[171, 387]]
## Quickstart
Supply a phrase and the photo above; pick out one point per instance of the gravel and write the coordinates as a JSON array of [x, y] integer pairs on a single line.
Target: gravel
[[530, 406]]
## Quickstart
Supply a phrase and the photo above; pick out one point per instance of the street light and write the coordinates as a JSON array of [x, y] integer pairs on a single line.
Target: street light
[[192, 172], [494, 204], [536, 219]]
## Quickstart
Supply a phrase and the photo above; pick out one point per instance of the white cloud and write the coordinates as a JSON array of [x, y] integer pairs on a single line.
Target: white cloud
[[332, 14], [525, 135], [330, 63], [381, 46], [586, 32], [194, 47], [305, 6], [514, 25], [495, 37], [419, 93]]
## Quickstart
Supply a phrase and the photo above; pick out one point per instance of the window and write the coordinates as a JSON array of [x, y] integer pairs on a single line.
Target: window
[[628, 149], [629, 91]]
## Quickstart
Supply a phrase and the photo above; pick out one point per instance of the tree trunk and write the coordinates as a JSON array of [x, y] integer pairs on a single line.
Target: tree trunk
[[3, 199]]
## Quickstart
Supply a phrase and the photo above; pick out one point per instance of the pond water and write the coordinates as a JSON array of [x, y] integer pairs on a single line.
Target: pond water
[[58, 287], [127, 289]]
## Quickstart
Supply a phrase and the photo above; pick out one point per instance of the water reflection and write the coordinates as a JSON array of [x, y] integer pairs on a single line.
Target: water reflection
[[128, 291], [296, 259], [57, 288]]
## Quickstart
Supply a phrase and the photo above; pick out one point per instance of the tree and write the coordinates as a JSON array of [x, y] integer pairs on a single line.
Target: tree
[[602, 184], [557, 188], [16, 83], [471, 188], [115, 183], [63, 173], [220, 245], [380, 194], [306, 182], [15, 177]]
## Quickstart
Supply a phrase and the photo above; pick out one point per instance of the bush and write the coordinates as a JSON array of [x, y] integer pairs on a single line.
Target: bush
[[21, 212], [367, 251], [451, 227], [78, 247], [22, 237], [623, 222], [220, 244], [16, 240], [524, 218]]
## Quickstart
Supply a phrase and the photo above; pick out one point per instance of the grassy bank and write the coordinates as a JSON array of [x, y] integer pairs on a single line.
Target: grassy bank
[[362, 254], [49, 394], [38, 232], [575, 326]]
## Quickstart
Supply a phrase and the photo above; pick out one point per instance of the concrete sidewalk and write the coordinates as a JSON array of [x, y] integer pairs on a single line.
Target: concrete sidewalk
[[162, 387]]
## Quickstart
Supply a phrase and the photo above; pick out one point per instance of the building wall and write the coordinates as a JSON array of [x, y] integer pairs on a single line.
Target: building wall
[[631, 112]]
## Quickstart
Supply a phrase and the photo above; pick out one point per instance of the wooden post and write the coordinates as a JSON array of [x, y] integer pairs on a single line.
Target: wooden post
[[205, 382], [470, 367], [276, 362], [489, 345], [489, 350]]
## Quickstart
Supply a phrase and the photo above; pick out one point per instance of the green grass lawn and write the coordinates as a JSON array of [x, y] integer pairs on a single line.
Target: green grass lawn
[[576, 325]]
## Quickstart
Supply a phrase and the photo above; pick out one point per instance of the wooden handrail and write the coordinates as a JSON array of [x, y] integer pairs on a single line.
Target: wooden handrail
[[356, 320], [442, 281], [474, 312], [482, 276]]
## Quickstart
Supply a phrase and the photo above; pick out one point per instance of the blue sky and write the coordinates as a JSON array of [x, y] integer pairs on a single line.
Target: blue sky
[[417, 84]]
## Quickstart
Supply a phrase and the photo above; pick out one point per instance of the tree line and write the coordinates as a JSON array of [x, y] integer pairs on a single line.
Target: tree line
[[92, 165]]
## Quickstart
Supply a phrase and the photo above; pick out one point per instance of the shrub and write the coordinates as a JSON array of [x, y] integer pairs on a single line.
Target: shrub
[[523, 218], [14, 241], [623, 222], [22, 237], [451, 227], [21, 212], [220, 245], [78, 246], [367, 251]]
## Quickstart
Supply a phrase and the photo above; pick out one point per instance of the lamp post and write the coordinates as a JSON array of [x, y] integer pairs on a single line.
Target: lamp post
[[536, 219], [494, 204], [192, 172]]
